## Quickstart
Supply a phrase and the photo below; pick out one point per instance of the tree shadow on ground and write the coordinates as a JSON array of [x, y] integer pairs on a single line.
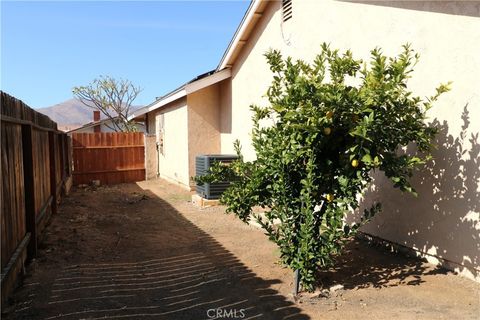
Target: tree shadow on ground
[[167, 268]]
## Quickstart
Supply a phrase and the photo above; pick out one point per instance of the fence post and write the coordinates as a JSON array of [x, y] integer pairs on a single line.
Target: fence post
[[53, 171], [29, 184], [69, 147], [61, 145]]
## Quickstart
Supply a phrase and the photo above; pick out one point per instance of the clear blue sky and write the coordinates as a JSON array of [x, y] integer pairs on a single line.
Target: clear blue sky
[[49, 47]]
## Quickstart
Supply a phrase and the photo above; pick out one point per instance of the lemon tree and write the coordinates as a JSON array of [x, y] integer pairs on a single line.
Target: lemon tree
[[328, 126]]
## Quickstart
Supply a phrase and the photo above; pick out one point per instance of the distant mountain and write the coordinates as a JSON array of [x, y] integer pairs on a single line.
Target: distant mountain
[[71, 114]]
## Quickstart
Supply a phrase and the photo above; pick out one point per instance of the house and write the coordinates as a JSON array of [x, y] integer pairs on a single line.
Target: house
[[184, 123], [207, 114], [98, 125]]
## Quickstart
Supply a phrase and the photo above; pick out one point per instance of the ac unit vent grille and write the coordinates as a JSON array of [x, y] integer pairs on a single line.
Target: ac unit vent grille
[[202, 165]]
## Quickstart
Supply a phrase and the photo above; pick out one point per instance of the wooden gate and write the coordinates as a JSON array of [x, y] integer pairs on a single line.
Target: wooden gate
[[111, 157]]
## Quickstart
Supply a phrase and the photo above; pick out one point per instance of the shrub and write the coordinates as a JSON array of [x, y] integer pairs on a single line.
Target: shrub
[[328, 127]]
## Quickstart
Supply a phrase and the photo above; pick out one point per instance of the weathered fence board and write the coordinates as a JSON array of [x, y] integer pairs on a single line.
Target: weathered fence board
[[111, 157], [35, 169], [13, 210], [41, 171]]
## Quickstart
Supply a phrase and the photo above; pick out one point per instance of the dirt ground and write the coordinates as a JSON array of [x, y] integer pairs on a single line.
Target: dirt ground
[[142, 251]]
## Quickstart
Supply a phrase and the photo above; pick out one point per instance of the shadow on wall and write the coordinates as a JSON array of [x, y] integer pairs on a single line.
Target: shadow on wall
[[461, 8], [444, 221]]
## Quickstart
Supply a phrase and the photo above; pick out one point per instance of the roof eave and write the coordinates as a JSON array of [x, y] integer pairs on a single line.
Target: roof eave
[[252, 15], [191, 87], [162, 101]]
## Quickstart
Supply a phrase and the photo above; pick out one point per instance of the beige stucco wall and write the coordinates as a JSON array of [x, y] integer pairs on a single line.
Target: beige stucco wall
[[173, 164], [191, 127], [445, 220], [203, 124], [225, 111]]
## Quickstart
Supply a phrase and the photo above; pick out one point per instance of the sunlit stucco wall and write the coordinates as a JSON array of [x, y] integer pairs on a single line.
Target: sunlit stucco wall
[[203, 124], [173, 161]]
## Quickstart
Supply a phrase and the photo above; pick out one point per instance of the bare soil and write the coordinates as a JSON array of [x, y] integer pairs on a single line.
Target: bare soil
[[142, 251]]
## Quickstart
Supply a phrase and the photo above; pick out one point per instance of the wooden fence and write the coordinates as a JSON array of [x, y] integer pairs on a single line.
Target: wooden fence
[[35, 172], [110, 157]]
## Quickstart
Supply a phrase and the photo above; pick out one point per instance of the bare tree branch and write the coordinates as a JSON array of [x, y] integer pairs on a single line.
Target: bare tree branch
[[112, 97]]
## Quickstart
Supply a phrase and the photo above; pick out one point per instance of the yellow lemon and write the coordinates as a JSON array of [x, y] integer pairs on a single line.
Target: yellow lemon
[[329, 197], [355, 163], [327, 131], [329, 114]]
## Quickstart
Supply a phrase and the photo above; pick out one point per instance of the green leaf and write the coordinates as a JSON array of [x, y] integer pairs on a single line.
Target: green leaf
[[367, 159]]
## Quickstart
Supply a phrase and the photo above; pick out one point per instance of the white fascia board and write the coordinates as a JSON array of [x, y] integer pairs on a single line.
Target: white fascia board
[[208, 81], [159, 103], [239, 34]]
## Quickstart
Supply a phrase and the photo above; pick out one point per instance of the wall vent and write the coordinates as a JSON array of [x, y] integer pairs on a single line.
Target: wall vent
[[286, 10], [202, 165]]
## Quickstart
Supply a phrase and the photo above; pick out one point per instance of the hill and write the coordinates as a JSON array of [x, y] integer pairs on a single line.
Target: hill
[[71, 114]]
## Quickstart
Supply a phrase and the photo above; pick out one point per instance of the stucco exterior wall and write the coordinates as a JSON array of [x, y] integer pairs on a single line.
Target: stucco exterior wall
[[444, 222], [225, 110], [203, 124], [173, 163]]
